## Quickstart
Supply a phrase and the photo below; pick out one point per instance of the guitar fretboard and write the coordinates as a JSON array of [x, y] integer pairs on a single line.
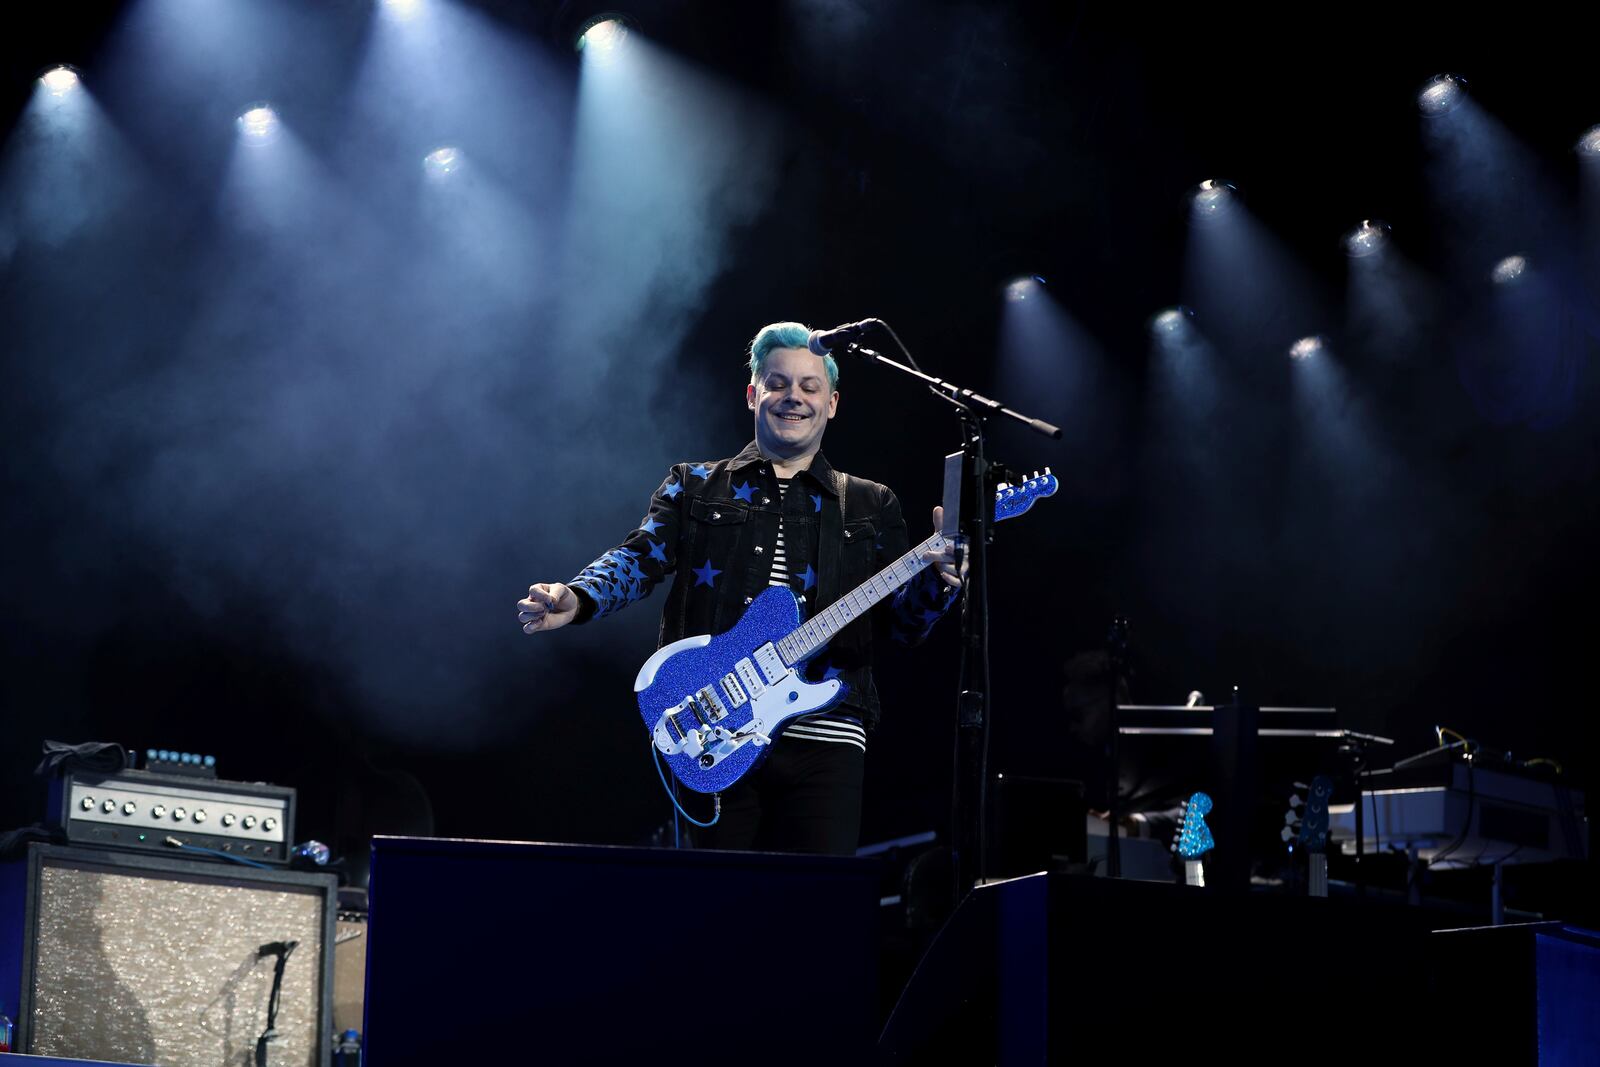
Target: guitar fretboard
[[819, 630]]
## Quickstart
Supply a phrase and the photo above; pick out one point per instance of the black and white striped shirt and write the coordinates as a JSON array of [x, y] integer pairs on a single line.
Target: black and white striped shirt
[[825, 726]]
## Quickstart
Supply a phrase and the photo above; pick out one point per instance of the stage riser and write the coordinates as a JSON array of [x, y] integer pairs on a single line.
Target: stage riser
[[584, 954], [1144, 971]]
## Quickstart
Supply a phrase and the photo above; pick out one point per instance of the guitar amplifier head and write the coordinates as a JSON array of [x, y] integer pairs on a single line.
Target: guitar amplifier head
[[142, 960], [163, 813]]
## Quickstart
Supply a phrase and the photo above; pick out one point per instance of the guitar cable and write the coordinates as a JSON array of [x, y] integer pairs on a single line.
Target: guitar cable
[[716, 798]]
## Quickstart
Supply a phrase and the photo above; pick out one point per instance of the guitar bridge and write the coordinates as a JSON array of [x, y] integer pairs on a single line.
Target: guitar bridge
[[690, 728], [708, 707]]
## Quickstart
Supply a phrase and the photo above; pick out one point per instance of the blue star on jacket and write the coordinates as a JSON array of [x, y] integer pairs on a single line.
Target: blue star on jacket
[[808, 577], [706, 575], [658, 552], [816, 501], [673, 489], [700, 470], [745, 492], [650, 525], [613, 581]]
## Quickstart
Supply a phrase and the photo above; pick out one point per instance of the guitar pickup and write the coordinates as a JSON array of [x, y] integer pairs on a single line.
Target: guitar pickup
[[735, 692], [772, 665]]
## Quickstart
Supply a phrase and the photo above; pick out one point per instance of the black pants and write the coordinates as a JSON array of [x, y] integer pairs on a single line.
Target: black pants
[[806, 797]]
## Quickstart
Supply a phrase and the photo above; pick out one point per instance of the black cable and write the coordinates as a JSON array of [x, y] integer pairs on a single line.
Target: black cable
[[904, 351], [1472, 800], [1377, 828], [983, 665], [281, 949]]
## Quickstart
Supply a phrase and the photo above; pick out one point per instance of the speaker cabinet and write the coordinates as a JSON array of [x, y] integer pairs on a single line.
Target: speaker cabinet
[[147, 960]]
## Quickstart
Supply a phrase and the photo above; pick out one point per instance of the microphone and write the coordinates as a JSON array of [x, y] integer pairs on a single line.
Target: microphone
[[822, 342]]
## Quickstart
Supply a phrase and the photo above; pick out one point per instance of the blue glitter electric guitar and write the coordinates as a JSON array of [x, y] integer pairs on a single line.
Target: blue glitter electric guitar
[[714, 705], [1194, 839]]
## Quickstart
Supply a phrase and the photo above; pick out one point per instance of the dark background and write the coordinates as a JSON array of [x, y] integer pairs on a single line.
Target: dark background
[[276, 505]]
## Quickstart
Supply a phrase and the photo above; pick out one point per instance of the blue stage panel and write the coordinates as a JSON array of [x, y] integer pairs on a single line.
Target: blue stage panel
[[510, 952]]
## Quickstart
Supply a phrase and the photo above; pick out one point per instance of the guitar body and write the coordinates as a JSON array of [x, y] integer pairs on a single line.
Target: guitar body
[[713, 705]]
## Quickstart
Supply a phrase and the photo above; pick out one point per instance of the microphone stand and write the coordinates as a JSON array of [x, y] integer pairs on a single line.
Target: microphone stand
[[969, 799]]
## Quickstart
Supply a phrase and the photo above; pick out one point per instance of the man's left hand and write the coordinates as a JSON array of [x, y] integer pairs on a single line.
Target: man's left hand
[[945, 562]]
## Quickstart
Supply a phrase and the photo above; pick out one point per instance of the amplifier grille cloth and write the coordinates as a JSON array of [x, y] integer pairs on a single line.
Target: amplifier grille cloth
[[151, 968]]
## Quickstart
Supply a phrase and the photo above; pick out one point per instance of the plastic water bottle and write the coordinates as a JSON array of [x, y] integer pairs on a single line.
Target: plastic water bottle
[[347, 1049], [7, 1033]]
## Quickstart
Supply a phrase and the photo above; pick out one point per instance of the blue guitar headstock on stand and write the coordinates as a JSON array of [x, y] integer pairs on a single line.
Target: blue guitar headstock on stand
[[1194, 836], [1306, 822]]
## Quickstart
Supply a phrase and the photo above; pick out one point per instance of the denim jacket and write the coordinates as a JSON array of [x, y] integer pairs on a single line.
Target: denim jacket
[[712, 526]]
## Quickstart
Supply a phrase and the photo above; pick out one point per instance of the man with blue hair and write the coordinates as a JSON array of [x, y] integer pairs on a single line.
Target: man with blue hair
[[775, 514]]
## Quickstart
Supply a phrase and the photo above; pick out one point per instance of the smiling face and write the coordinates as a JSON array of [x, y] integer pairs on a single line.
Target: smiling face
[[792, 403]]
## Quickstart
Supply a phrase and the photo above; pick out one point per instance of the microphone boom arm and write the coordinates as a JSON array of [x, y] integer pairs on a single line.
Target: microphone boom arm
[[954, 393]]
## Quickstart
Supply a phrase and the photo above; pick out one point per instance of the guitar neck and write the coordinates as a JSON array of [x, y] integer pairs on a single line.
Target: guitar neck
[[815, 633], [1318, 875]]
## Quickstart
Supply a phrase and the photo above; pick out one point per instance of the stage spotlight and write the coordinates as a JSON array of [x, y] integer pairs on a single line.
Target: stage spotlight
[[1367, 239], [1306, 348], [259, 125], [1442, 94], [1212, 199], [1509, 270], [59, 80], [401, 10], [1023, 288], [1174, 322], [1589, 143], [604, 34], [441, 162]]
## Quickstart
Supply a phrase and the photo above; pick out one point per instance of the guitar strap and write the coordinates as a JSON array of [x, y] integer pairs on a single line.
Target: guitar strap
[[830, 532]]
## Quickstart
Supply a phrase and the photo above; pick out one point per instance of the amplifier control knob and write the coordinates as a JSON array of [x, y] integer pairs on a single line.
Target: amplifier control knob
[[229, 820], [158, 812], [87, 803], [200, 816], [269, 823], [249, 821], [108, 806], [179, 814], [129, 808]]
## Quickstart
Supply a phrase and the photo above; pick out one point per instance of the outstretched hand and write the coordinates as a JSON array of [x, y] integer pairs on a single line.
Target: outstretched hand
[[945, 562], [549, 605]]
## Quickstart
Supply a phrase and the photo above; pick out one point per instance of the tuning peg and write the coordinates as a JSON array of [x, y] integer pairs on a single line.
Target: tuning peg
[[1286, 833], [1290, 817], [1302, 785]]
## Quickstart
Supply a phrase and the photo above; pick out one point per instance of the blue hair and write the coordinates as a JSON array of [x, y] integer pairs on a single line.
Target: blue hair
[[785, 335]]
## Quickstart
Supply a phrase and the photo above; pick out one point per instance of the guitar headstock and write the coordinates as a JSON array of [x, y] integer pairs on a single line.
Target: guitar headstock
[[1306, 822], [1013, 500], [1194, 836]]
